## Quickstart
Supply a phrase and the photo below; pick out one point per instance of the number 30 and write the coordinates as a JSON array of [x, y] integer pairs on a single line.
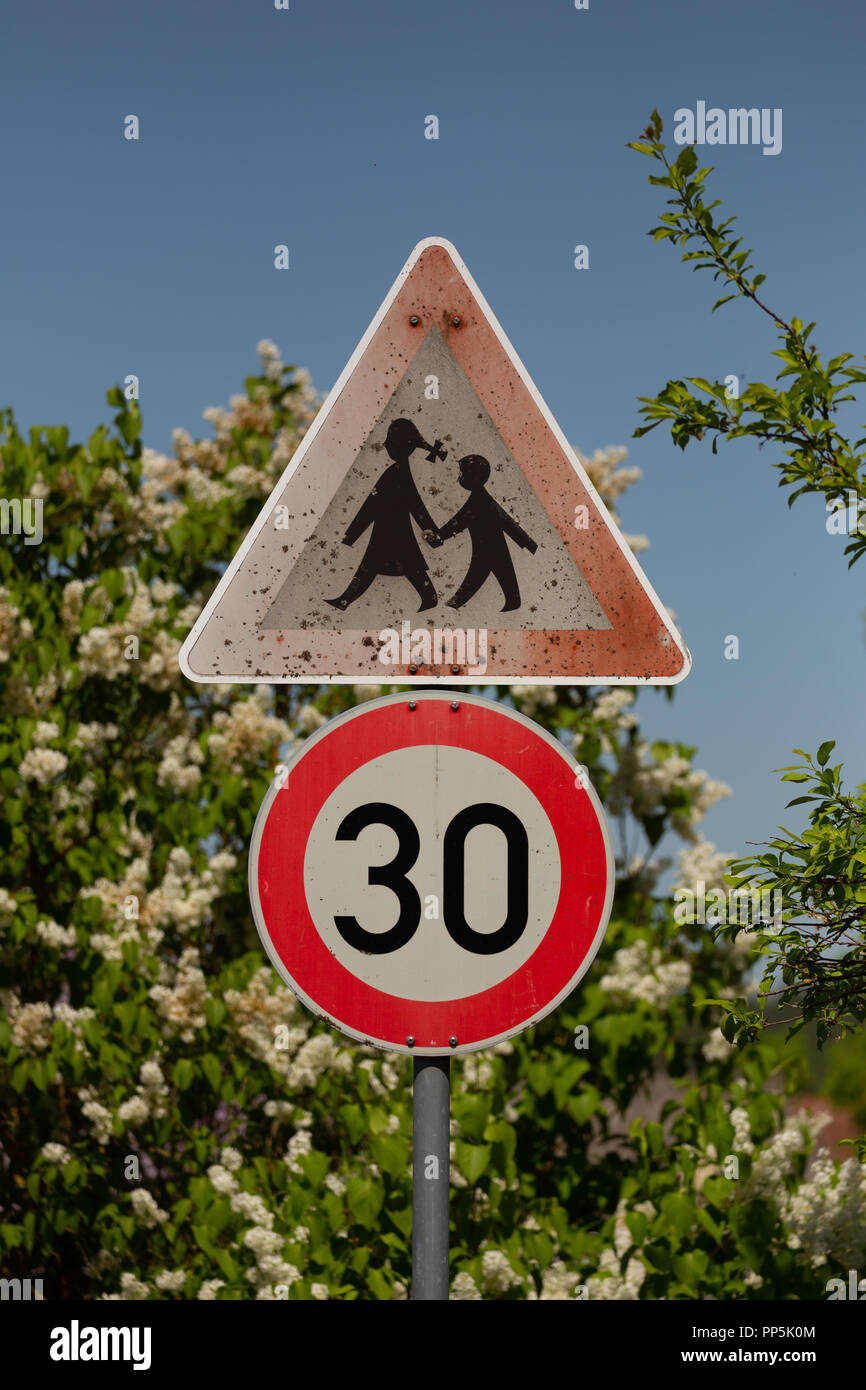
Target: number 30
[[393, 876]]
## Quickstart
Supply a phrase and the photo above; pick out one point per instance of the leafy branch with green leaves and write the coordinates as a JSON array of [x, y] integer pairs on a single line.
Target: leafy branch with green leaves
[[801, 418], [816, 956], [818, 950]]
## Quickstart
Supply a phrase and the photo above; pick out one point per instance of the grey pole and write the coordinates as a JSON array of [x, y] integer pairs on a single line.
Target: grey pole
[[431, 1140]]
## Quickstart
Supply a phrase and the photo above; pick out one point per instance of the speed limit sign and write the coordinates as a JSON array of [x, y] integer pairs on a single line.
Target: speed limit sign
[[432, 873]]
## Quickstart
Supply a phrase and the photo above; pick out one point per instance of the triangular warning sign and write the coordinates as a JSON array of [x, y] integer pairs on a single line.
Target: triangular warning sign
[[434, 525]]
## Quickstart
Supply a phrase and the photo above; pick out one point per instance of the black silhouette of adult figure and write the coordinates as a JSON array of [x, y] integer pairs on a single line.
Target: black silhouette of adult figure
[[488, 524], [392, 548]]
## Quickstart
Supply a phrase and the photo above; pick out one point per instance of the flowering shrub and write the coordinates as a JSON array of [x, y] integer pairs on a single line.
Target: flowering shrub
[[174, 1124]]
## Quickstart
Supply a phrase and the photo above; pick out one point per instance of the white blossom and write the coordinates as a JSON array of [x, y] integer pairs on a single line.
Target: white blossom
[[639, 973], [133, 1289], [826, 1216], [717, 1048], [207, 1292], [31, 1026], [56, 1153], [8, 906], [45, 731], [42, 765], [531, 698], [557, 1283], [497, 1274], [616, 1286], [299, 1144], [222, 1179], [612, 702], [54, 935], [146, 1210], [700, 862], [464, 1289], [310, 719]]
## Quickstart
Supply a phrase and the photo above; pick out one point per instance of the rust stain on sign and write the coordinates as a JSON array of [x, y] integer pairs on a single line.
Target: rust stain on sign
[[435, 524]]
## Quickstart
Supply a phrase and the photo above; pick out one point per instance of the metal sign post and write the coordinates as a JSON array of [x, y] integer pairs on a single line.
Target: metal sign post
[[431, 1140]]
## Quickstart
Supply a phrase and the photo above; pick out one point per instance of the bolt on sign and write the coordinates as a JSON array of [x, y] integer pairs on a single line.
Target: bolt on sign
[[431, 874], [434, 525]]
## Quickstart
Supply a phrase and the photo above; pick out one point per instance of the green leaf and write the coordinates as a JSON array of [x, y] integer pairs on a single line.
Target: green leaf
[[227, 1265], [211, 1067], [177, 536], [687, 161], [183, 1073], [355, 1121], [658, 1256], [472, 1113], [402, 1218], [29, 1229], [391, 1153], [824, 752], [73, 540], [380, 1285], [21, 1074], [214, 1011], [364, 1199], [472, 1159], [679, 1210], [754, 1224], [315, 1165], [637, 1225], [113, 583], [203, 1238], [126, 1013], [710, 1225], [691, 1268]]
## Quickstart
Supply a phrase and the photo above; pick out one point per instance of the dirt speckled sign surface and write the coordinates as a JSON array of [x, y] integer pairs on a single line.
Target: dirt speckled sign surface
[[434, 525]]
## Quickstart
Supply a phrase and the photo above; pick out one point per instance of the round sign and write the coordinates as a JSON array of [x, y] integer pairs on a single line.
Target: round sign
[[432, 873]]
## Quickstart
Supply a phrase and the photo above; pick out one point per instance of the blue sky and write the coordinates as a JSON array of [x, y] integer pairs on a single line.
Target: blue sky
[[306, 127]]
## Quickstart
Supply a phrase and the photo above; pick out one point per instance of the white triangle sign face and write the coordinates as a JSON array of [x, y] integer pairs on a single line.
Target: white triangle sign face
[[434, 525]]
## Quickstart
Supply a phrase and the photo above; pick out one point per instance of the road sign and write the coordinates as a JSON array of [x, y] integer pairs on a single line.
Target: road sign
[[434, 524], [432, 873]]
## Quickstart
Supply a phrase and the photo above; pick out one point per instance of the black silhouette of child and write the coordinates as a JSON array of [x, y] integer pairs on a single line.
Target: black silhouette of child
[[389, 509], [487, 524]]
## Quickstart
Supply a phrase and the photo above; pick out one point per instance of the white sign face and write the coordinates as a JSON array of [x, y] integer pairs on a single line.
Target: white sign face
[[432, 965], [433, 874]]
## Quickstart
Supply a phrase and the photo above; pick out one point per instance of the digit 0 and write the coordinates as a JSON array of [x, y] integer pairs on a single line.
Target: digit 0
[[454, 865]]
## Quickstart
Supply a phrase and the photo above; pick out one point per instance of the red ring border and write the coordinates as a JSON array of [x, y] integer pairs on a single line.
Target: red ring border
[[278, 864]]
